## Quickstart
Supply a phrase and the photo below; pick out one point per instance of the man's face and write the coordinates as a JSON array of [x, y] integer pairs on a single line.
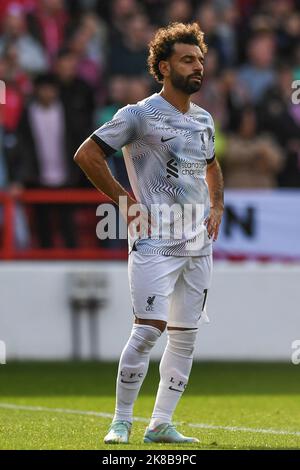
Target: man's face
[[66, 67], [185, 68], [46, 94]]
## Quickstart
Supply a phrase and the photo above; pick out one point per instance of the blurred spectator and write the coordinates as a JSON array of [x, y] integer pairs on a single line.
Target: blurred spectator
[[227, 33], [131, 49], [156, 11], [206, 16], [96, 30], [88, 42], [289, 35], [20, 222], [121, 12], [42, 157], [280, 116], [236, 97], [31, 55], [179, 10], [78, 101], [48, 24], [258, 74], [87, 68], [18, 87], [251, 161]]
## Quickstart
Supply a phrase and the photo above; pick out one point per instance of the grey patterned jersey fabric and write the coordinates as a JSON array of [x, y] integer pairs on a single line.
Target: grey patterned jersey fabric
[[166, 154]]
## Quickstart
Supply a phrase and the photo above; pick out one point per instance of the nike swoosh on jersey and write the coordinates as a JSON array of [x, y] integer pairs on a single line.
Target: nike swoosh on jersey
[[166, 140]]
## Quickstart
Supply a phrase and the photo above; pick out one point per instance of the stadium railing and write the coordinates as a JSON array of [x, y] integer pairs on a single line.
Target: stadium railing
[[8, 248]]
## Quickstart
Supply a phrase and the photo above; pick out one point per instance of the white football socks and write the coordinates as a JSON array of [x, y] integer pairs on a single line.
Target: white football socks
[[175, 368], [133, 367]]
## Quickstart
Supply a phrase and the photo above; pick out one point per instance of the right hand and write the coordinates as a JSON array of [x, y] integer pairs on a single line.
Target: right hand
[[137, 217]]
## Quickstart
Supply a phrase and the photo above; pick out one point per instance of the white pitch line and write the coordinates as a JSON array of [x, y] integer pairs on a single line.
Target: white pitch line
[[11, 406]]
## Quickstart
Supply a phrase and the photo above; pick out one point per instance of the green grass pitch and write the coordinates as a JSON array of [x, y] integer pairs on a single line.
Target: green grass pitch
[[226, 405]]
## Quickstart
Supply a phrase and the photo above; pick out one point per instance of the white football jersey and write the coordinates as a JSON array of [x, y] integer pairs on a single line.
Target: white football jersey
[[166, 154]]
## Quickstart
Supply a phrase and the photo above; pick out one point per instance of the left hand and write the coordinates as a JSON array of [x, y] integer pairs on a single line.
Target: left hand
[[213, 222]]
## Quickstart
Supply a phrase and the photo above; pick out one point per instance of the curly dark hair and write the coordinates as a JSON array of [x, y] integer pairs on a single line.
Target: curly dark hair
[[161, 47]]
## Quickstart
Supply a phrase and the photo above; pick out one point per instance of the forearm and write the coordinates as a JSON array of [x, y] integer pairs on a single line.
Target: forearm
[[91, 160], [215, 183]]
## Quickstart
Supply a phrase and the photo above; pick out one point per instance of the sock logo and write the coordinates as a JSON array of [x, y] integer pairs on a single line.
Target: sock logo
[[132, 375], [150, 301], [180, 384], [172, 169]]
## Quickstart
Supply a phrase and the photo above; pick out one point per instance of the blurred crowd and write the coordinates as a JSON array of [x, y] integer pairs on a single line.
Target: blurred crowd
[[68, 66]]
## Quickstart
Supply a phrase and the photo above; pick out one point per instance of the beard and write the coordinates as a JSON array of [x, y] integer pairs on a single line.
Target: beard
[[185, 84]]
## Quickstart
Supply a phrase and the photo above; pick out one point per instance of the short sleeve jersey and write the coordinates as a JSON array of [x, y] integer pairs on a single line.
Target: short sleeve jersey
[[166, 154]]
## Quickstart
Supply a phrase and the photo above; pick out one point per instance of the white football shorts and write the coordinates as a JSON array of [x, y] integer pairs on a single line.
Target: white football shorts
[[170, 288]]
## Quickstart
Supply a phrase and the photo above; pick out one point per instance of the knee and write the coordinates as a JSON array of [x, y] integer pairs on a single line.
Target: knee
[[182, 342], [144, 337]]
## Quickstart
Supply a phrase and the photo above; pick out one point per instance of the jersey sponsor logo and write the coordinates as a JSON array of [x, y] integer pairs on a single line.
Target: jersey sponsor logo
[[166, 140], [192, 168], [150, 302], [172, 169], [186, 168]]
